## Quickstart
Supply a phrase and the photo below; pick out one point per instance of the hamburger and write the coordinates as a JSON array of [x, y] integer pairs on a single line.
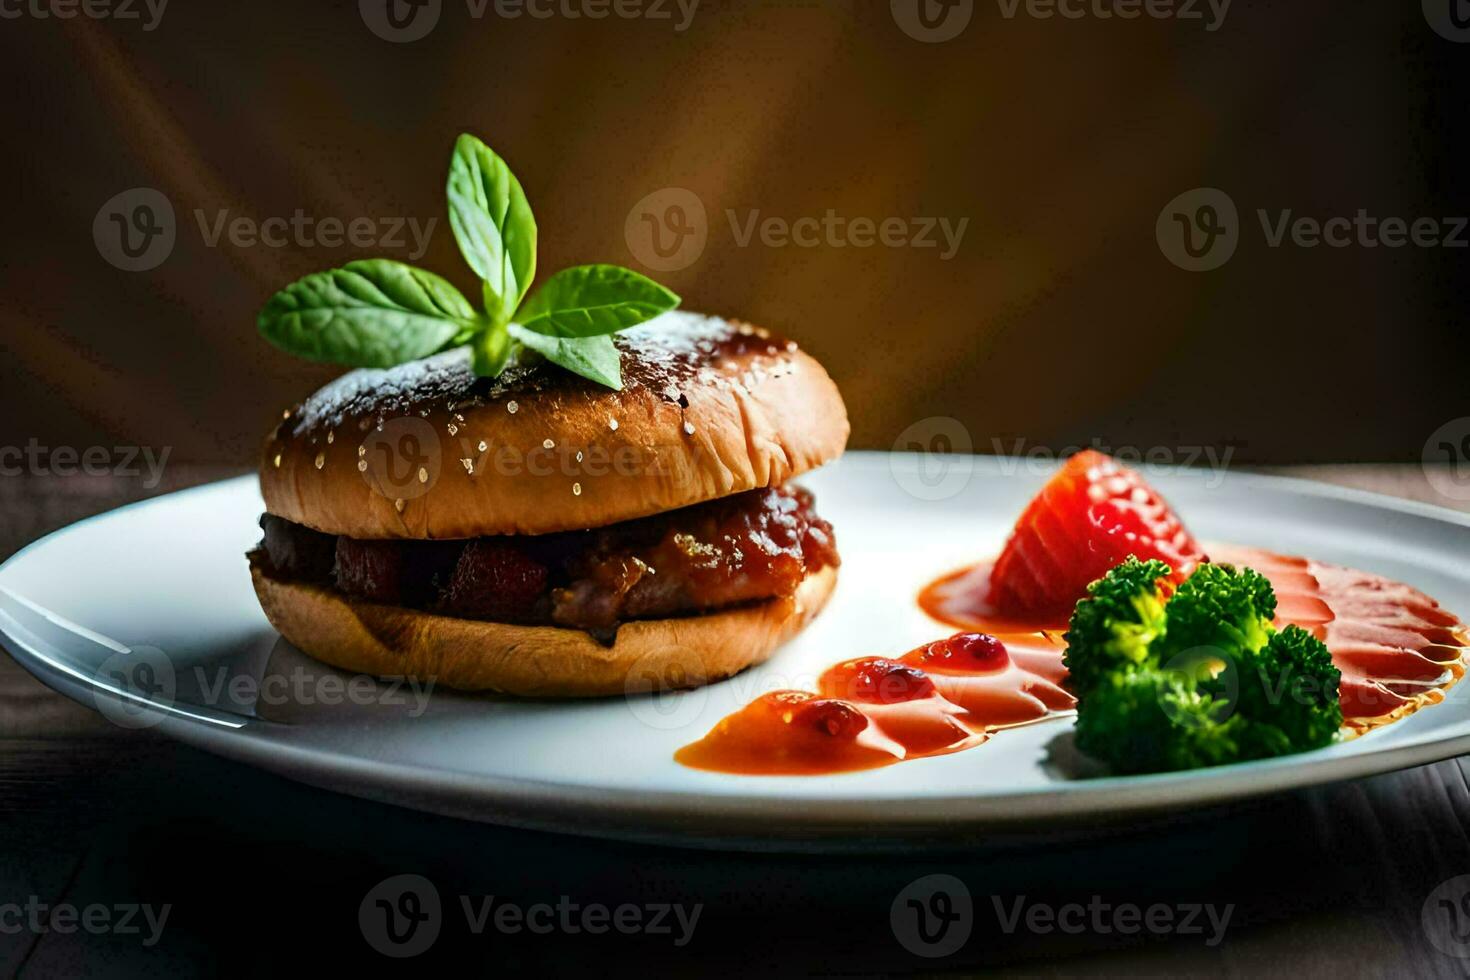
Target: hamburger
[[538, 534]]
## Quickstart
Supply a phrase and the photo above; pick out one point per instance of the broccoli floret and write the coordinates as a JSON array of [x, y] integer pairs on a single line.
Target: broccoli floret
[[1293, 682], [1148, 720], [1115, 625], [1220, 610], [1200, 680]]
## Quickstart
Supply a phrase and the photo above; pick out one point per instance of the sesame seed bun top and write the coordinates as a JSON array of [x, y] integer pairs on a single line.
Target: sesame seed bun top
[[428, 450]]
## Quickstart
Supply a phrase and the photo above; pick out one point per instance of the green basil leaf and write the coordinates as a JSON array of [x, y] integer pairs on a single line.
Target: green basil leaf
[[493, 224], [595, 358], [589, 300], [371, 313]]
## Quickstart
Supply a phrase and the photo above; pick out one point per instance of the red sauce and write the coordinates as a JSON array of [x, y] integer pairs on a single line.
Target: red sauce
[[940, 698], [961, 600], [793, 733], [1397, 649]]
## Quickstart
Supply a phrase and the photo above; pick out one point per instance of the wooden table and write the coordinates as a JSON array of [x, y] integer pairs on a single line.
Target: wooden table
[[265, 876]]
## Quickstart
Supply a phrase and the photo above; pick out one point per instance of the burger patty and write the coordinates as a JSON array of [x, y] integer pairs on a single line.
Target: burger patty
[[746, 548]]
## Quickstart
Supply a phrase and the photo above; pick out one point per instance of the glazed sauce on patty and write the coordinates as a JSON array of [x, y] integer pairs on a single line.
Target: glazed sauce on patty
[[745, 548], [1397, 649]]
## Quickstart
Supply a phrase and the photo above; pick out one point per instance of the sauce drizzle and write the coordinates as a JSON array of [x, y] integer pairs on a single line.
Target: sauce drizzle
[[942, 697]]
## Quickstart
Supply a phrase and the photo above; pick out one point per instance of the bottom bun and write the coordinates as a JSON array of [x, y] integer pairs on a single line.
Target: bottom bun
[[535, 661]]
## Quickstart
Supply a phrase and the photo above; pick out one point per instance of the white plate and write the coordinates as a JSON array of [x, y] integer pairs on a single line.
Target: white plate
[[167, 579]]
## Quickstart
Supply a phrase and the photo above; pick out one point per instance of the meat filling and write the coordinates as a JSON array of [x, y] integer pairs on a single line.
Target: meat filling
[[747, 548]]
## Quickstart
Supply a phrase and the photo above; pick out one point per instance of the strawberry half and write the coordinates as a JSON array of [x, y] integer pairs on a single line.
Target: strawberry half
[[1091, 516]]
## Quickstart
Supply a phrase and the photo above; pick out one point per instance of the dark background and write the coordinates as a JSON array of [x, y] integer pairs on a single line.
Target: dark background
[[1058, 322]]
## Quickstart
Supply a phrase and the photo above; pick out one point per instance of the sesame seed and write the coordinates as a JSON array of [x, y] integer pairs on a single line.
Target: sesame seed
[[484, 445], [321, 460], [453, 429], [458, 417], [285, 413], [362, 450], [548, 444], [512, 407], [398, 506], [576, 489], [579, 455], [469, 466], [362, 466], [331, 438], [689, 428], [423, 475], [278, 460], [612, 424]]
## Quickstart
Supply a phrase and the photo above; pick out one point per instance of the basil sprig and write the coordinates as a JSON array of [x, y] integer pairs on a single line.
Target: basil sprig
[[378, 313]]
